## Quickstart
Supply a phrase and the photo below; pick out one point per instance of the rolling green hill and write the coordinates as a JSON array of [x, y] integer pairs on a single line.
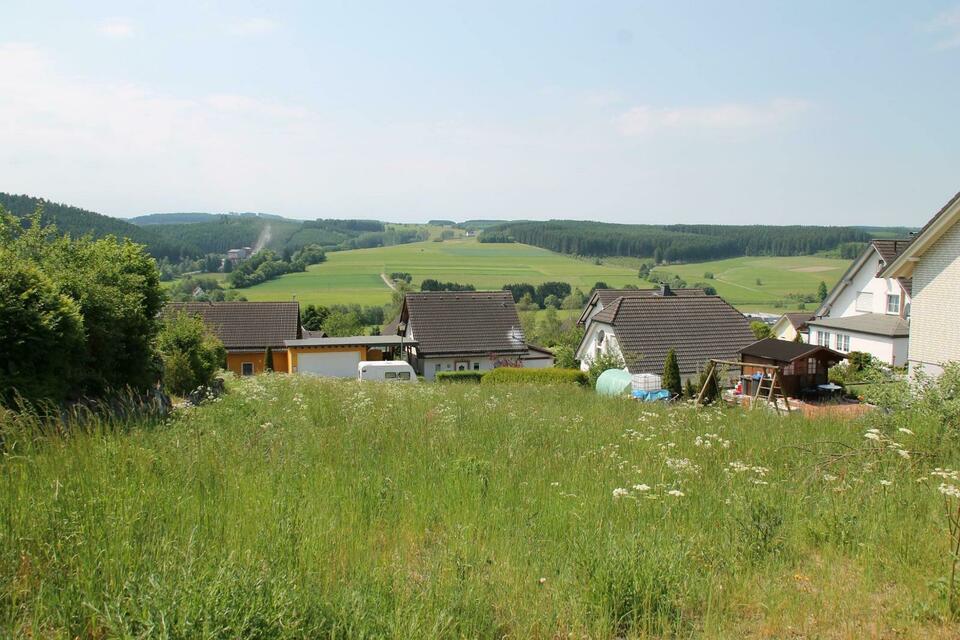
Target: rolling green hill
[[354, 276]]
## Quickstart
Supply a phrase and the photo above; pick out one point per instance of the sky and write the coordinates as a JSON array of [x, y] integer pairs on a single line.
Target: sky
[[815, 112]]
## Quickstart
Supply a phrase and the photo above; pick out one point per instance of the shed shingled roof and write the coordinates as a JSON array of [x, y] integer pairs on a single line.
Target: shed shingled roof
[[697, 327], [464, 322], [784, 351], [245, 325]]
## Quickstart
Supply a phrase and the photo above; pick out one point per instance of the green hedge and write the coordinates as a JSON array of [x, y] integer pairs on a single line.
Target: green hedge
[[536, 376], [463, 377]]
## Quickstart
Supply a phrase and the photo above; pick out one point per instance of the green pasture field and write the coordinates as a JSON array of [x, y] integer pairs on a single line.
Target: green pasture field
[[297, 507], [354, 276], [736, 279]]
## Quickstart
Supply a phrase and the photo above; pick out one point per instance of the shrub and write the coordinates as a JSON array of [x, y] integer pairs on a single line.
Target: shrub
[[464, 377], [601, 363], [191, 354], [671, 373], [508, 375], [761, 329]]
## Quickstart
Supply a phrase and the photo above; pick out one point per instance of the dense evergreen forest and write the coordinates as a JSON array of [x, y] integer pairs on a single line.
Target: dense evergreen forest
[[672, 243], [180, 236]]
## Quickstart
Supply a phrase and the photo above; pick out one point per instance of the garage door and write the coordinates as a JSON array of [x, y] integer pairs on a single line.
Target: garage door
[[340, 364]]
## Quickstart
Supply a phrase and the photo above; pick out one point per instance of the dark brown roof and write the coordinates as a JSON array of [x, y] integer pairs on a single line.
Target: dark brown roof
[[464, 322], [606, 296], [907, 284], [798, 319], [890, 249], [246, 325], [784, 351], [697, 327]]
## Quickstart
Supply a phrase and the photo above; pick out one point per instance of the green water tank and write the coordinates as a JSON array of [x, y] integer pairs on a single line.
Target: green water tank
[[614, 382]]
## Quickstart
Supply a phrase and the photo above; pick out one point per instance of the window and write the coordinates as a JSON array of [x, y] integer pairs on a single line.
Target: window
[[893, 303], [246, 369], [788, 370], [437, 367], [390, 375], [843, 342], [462, 366], [864, 301], [476, 366], [404, 375], [823, 338], [812, 366]]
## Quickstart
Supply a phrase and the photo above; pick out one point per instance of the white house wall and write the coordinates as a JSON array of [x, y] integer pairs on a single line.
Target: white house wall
[[934, 329], [892, 351], [864, 280], [588, 347]]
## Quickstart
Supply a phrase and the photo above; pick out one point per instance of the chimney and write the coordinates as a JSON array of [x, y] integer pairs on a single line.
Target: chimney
[[665, 289]]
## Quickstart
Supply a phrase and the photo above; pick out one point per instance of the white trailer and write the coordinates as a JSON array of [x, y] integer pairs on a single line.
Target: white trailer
[[386, 371]]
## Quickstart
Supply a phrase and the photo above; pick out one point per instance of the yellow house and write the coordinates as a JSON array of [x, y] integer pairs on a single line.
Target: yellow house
[[247, 329]]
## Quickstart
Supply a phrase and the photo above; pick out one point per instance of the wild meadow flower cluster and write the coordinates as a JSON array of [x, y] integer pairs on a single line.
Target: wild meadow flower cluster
[[294, 506]]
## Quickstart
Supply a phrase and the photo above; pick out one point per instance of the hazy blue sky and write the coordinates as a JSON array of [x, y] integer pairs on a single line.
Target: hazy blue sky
[[785, 112]]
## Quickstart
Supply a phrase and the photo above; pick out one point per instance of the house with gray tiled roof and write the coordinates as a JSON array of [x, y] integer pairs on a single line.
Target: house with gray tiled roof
[[603, 297], [866, 310], [465, 331], [246, 329], [931, 262], [642, 329]]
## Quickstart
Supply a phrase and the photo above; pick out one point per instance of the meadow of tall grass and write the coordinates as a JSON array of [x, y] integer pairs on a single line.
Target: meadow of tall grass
[[298, 507]]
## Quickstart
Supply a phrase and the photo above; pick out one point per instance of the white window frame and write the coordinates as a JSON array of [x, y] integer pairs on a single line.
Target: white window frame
[[823, 338], [842, 342], [890, 297]]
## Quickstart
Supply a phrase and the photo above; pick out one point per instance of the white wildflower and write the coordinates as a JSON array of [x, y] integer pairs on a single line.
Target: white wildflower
[[620, 492], [905, 430], [949, 490], [903, 453], [886, 483], [675, 492], [641, 487], [872, 436]]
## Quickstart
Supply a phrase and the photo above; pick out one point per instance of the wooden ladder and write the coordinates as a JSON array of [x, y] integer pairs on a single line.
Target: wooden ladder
[[770, 391]]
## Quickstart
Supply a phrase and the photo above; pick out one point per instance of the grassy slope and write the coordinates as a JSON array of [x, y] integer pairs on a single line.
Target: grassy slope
[[306, 508], [736, 278], [354, 276]]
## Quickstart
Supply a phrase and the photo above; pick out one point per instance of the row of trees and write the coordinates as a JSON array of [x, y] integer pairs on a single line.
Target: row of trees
[[266, 265], [673, 243]]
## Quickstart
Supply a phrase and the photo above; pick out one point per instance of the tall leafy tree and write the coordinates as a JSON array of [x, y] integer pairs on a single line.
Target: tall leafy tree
[[115, 288], [822, 291]]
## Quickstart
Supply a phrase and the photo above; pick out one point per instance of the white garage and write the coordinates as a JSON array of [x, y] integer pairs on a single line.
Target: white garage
[[336, 364]]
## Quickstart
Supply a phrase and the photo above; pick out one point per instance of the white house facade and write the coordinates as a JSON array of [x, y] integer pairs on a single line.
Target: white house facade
[[867, 311], [933, 262]]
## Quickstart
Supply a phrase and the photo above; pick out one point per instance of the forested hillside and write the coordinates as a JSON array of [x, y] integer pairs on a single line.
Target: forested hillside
[[688, 243], [78, 222], [178, 236]]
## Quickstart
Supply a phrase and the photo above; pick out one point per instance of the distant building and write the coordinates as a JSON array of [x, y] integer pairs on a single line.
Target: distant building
[[236, 255], [790, 325], [643, 328], [247, 329], [465, 331], [932, 263], [866, 310]]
